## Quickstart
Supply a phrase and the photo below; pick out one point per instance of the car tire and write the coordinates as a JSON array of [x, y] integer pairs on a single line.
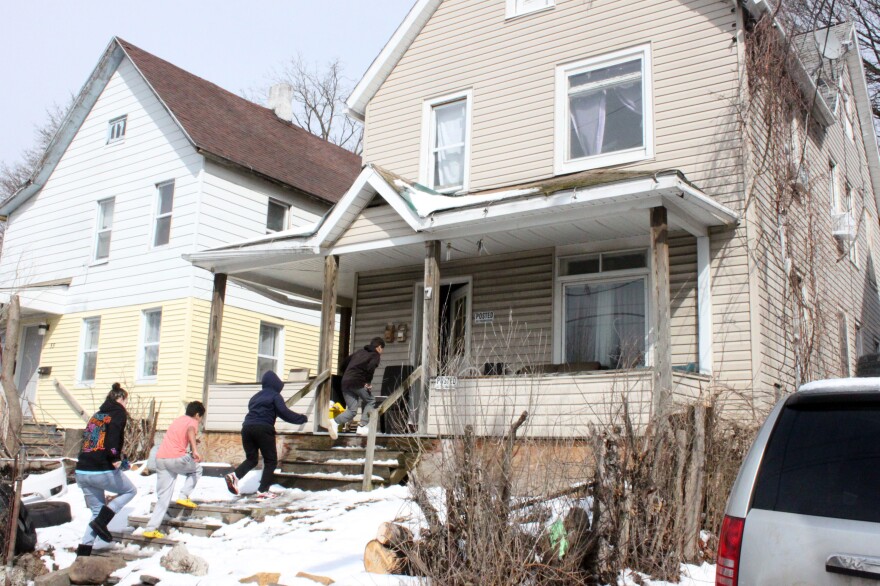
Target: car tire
[[49, 513], [26, 533]]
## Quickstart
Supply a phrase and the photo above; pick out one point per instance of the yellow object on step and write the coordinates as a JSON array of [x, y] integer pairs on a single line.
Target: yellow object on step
[[187, 503], [154, 534], [336, 409]]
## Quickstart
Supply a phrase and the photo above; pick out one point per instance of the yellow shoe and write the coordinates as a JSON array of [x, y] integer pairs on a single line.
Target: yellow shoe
[[154, 534], [187, 503]]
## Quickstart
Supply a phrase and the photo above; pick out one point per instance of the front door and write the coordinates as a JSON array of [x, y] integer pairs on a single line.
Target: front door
[[26, 370]]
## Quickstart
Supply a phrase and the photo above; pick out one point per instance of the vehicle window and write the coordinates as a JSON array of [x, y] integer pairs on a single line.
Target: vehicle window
[[823, 460]]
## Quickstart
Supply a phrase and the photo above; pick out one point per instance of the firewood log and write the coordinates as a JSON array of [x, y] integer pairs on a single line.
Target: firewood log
[[394, 536], [379, 559]]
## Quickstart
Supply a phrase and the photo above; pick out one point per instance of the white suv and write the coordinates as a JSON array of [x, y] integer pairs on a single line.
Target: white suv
[[805, 508]]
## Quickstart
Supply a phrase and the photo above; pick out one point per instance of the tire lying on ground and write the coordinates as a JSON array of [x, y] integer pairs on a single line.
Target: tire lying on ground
[[26, 533], [49, 513]]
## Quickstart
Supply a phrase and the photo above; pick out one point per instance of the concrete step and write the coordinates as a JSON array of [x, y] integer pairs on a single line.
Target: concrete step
[[342, 453], [223, 514], [346, 468], [318, 482], [198, 527]]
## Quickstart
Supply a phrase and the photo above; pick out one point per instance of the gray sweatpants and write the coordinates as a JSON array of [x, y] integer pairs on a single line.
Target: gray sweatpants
[[167, 471], [355, 398]]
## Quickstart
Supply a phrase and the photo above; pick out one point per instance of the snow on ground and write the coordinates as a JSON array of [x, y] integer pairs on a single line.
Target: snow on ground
[[320, 533]]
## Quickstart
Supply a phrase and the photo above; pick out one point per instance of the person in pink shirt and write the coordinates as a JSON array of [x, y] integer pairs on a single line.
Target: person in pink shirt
[[173, 459]]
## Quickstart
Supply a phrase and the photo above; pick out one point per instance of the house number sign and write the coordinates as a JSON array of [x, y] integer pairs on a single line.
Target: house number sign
[[484, 317]]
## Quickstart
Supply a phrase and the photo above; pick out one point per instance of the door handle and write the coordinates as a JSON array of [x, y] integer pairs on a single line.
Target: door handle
[[853, 565]]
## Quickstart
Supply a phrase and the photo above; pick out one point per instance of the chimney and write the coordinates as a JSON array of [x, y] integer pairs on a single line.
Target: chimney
[[281, 101]]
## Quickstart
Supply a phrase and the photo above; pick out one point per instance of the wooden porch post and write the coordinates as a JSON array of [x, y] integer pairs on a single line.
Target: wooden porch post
[[7, 377], [704, 304], [325, 344], [662, 396], [215, 325], [344, 334], [430, 326]]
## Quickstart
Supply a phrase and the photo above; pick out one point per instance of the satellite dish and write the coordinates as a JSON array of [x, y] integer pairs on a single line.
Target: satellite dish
[[829, 45]]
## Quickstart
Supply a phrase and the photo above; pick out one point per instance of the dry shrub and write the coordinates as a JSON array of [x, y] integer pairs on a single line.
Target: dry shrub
[[140, 431]]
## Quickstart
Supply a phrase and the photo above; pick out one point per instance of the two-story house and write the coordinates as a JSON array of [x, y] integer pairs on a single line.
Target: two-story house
[[153, 162], [564, 203]]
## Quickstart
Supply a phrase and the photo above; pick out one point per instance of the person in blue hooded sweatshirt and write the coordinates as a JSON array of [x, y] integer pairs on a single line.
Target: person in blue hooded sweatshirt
[[258, 434]]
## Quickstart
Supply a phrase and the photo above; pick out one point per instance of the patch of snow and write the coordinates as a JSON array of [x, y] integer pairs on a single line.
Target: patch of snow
[[427, 202]]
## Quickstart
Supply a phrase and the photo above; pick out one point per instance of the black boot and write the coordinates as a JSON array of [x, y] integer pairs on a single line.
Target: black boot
[[83, 550], [99, 524]]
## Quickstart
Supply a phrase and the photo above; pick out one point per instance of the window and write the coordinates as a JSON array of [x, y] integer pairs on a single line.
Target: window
[[276, 217], [843, 332], [152, 324], [269, 350], [604, 308], [446, 125], [860, 340], [116, 129], [518, 7], [105, 226], [89, 345], [603, 111], [835, 191], [848, 117], [164, 205]]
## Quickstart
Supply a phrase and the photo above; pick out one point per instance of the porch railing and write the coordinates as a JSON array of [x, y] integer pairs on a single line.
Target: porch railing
[[308, 388], [373, 425]]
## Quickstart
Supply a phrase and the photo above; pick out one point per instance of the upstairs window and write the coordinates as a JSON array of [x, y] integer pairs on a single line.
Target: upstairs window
[[276, 217], [116, 129], [848, 117], [445, 161], [149, 362], [104, 228], [835, 194], [518, 7], [164, 205], [269, 349], [89, 346], [603, 111]]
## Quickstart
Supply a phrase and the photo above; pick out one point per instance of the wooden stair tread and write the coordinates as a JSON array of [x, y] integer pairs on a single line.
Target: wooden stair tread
[[142, 520], [141, 540]]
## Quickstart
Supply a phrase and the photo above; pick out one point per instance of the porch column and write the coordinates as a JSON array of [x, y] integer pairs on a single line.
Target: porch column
[[344, 334], [215, 325], [430, 327], [704, 304], [325, 344], [662, 340]]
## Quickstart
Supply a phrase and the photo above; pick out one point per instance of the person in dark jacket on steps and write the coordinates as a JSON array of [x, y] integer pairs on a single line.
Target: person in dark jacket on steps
[[258, 434], [357, 382], [98, 467]]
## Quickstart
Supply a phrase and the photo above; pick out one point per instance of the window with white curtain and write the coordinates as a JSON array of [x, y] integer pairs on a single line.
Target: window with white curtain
[[164, 205], [518, 7], [149, 355], [269, 349], [604, 111], [89, 349], [604, 308], [104, 228], [446, 136]]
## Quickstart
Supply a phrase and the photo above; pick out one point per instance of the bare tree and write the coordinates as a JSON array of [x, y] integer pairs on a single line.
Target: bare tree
[[318, 100], [13, 175]]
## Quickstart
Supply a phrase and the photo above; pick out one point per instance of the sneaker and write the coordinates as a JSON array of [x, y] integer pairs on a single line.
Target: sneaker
[[186, 503], [266, 496], [363, 430], [154, 534], [333, 429], [232, 483]]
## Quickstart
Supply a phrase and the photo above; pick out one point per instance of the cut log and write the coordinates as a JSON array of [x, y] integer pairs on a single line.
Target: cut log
[[315, 578], [394, 536], [379, 559]]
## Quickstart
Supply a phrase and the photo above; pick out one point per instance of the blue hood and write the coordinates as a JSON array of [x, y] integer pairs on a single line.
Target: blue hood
[[271, 381]]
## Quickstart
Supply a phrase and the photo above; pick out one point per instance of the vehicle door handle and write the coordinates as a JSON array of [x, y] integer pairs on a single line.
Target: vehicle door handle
[[853, 565]]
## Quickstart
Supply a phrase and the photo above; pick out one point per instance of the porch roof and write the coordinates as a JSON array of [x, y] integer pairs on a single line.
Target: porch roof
[[583, 207]]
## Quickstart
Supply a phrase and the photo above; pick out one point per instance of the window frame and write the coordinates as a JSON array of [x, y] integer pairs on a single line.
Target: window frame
[[112, 125], [143, 343], [279, 347], [514, 9], [99, 231], [159, 215], [426, 173], [560, 282], [561, 163], [835, 194], [285, 222], [83, 338], [845, 353]]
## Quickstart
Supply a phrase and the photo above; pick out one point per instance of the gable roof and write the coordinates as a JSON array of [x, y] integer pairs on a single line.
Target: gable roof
[[218, 123]]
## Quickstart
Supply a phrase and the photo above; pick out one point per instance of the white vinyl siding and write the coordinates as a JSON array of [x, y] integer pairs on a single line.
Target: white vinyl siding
[[116, 129], [91, 328], [164, 207], [446, 142], [520, 7], [269, 349], [604, 107], [104, 229], [148, 365]]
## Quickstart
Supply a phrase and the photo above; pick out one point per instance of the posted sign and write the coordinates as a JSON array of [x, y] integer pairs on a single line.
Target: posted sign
[[484, 317]]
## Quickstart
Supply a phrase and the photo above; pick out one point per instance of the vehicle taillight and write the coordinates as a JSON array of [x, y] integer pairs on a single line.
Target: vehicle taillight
[[729, 545]]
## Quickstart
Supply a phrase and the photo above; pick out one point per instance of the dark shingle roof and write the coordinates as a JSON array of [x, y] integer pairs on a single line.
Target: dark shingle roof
[[251, 136]]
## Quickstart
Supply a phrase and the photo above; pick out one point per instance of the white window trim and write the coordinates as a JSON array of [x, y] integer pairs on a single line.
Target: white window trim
[[285, 222], [98, 231], [157, 216], [559, 283], [279, 359], [111, 124], [82, 351], [426, 172], [561, 135], [512, 11], [140, 377]]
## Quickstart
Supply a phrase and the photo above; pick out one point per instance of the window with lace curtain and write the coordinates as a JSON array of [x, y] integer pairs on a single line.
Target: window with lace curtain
[[446, 142], [603, 111]]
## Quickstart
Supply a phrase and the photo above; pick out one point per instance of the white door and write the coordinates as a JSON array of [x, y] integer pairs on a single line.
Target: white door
[[26, 370]]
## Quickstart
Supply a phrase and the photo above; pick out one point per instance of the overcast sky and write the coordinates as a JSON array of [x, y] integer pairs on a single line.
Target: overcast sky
[[48, 48]]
